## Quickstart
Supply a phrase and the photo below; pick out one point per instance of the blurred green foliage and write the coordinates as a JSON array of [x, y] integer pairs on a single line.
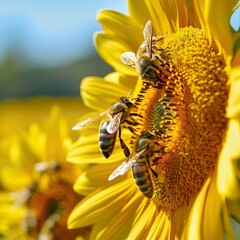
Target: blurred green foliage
[[16, 82]]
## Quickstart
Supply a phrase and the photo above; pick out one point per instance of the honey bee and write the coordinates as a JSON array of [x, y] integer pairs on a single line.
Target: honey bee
[[52, 166], [49, 227], [107, 141], [117, 114], [146, 63], [22, 195], [139, 162], [29, 221]]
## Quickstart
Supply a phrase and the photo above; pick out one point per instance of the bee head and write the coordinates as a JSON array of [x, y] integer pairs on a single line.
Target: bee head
[[127, 101], [149, 70], [147, 134]]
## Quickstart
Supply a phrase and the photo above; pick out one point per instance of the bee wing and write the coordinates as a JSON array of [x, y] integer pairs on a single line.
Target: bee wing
[[48, 225], [126, 165], [84, 123], [40, 167], [122, 169], [147, 33], [129, 58], [138, 155], [114, 124]]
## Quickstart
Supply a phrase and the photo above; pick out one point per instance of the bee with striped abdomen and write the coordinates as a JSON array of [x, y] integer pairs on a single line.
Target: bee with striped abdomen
[[145, 61], [139, 163], [107, 140], [116, 114]]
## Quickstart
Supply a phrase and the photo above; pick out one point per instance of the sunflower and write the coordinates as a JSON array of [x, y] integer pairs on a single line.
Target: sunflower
[[36, 193], [180, 69]]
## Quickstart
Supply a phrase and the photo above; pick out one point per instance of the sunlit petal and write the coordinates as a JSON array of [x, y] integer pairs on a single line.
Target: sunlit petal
[[110, 50], [92, 88]]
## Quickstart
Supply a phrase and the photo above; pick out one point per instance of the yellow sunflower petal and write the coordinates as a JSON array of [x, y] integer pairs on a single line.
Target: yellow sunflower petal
[[111, 49], [119, 226], [5, 197], [56, 136], [98, 205], [142, 226], [94, 177], [228, 172], [79, 152], [233, 109], [179, 219], [199, 12], [125, 82], [114, 22], [166, 13], [193, 227], [10, 183], [160, 227], [138, 11], [20, 114], [212, 210], [183, 18], [95, 88], [217, 14]]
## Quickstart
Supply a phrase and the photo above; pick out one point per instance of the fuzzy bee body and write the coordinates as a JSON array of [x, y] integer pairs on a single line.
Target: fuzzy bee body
[[148, 64], [138, 161], [106, 140], [142, 178], [116, 115]]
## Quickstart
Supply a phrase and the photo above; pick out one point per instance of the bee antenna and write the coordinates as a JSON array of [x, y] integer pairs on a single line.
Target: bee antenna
[[130, 92], [138, 97]]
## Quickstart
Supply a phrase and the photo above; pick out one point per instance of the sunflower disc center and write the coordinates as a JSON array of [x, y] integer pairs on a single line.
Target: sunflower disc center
[[188, 115]]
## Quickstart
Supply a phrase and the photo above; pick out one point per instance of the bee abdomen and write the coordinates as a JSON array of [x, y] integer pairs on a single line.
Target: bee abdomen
[[142, 178], [106, 140]]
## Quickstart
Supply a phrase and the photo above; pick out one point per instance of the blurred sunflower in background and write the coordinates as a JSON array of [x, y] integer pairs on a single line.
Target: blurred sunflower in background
[[186, 94], [36, 193]]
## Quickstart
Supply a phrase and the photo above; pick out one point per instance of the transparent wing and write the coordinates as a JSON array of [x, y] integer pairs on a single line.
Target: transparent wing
[[86, 122], [114, 124], [122, 169], [46, 231], [40, 167], [147, 33], [129, 58], [126, 165]]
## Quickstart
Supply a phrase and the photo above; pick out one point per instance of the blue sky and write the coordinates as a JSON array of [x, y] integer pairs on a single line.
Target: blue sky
[[51, 32]]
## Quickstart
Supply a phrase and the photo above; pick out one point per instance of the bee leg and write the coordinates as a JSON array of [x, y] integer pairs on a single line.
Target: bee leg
[[157, 48], [132, 130], [160, 59], [123, 145], [128, 122], [158, 38], [154, 173], [136, 115]]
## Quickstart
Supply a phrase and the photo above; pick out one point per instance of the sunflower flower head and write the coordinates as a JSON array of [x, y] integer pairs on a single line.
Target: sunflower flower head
[[37, 196], [178, 70]]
